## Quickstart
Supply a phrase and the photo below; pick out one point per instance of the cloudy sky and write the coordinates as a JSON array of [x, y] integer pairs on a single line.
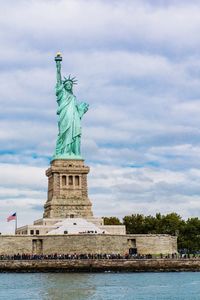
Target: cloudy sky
[[138, 67]]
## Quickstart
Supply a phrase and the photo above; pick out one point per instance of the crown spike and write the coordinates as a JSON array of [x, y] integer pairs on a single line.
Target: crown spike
[[72, 79]]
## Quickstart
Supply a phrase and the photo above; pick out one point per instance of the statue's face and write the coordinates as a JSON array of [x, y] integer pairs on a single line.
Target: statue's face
[[68, 86]]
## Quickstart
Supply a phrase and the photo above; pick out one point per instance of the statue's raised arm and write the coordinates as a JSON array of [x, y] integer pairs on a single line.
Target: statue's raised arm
[[58, 60]]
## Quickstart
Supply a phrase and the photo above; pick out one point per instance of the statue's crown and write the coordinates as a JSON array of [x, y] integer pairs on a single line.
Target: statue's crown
[[73, 80]]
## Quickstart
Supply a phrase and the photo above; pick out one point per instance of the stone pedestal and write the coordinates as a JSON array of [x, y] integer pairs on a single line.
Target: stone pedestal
[[67, 190]]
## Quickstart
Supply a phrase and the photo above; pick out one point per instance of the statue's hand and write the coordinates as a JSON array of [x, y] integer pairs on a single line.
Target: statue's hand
[[82, 108], [85, 107]]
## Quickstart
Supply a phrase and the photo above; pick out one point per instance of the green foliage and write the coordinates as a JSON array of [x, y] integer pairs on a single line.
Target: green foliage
[[190, 235], [188, 232], [111, 221], [170, 224]]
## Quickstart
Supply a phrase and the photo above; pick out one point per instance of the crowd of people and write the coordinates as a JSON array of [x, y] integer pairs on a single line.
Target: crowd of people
[[74, 256]]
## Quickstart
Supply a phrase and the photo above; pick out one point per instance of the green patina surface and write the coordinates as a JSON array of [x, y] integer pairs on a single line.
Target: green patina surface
[[70, 113]]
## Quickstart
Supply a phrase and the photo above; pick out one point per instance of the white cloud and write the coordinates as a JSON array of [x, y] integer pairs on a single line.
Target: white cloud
[[144, 190]]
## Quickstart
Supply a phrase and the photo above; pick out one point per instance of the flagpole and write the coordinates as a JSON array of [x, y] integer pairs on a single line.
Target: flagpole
[[16, 224]]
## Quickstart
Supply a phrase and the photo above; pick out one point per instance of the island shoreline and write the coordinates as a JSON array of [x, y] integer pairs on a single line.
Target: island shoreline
[[100, 265]]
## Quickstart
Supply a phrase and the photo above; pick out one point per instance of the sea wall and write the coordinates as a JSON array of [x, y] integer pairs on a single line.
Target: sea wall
[[87, 243], [103, 265]]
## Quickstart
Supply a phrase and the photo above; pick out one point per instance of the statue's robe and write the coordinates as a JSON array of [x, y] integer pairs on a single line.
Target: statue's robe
[[69, 123]]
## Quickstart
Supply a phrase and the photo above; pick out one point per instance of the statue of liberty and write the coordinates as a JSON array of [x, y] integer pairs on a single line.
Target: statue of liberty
[[69, 117]]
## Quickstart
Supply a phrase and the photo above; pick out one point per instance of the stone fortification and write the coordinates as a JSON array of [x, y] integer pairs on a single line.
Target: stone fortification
[[87, 243], [67, 190]]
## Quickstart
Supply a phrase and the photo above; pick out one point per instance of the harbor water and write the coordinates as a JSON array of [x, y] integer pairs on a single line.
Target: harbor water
[[100, 286]]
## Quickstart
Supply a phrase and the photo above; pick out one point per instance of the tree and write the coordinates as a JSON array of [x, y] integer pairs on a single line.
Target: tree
[[190, 235], [151, 224], [170, 224], [111, 221], [134, 223]]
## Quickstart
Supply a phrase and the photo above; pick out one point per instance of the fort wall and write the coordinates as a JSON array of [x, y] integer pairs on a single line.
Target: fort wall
[[87, 243]]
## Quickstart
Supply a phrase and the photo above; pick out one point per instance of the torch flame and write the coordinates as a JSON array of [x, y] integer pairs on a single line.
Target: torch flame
[[58, 54]]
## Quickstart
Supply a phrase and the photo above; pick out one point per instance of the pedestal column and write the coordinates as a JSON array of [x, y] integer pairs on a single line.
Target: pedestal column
[[67, 190]]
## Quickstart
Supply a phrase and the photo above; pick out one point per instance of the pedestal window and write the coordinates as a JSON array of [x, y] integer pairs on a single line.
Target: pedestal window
[[70, 182], [77, 181], [64, 180]]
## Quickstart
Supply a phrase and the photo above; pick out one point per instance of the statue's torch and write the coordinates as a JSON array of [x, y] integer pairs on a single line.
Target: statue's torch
[[58, 60], [58, 57]]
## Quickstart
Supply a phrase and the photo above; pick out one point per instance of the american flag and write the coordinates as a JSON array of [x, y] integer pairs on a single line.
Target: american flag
[[12, 217]]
